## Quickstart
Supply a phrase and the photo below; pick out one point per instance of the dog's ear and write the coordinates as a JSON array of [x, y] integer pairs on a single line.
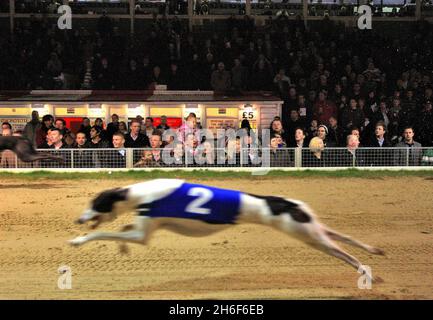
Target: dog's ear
[[104, 201]]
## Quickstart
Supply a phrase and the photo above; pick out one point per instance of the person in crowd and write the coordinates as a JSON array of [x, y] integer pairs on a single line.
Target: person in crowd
[[277, 128], [56, 138], [379, 155], [42, 131], [324, 109], [135, 139], [96, 141], [314, 156], [278, 155], [300, 139], [220, 79], [156, 151], [116, 158], [31, 127], [68, 136], [163, 125], [123, 128], [347, 157], [352, 116], [85, 127], [335, 133], [113, 126], [6, 126], [189, 126], [82, 156], [409, 151], [148, 127], [294, 122], [322, 133]]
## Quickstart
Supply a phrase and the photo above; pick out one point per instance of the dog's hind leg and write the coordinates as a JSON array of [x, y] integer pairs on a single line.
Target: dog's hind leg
[[353, 242], [314, 235], [322, 242]]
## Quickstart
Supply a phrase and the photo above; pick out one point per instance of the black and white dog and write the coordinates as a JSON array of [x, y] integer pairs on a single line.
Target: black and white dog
[[199, 210], [25, 150]]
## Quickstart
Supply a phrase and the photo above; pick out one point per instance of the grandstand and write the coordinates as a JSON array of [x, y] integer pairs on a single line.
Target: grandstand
[[301, 64]]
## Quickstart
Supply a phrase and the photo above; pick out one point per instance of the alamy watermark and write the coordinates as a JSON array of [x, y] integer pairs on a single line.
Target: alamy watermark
[[366, 278], [223, 147], [65, 20], [366, 17], [364, 21], [64, 281]]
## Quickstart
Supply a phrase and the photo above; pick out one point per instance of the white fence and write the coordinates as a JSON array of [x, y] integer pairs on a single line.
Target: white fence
[[182, 158]]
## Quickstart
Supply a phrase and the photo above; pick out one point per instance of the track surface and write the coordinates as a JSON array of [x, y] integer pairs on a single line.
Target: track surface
[[244, 262]]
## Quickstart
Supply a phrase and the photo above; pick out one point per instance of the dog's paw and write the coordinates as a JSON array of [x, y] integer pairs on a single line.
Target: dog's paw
[[377, 251], [77, 241]]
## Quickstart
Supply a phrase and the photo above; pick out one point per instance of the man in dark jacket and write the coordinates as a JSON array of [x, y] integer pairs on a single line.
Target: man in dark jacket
[[96, 142], [117, 157], [113, 126], [82, 156], [135, 139], [380, 156]]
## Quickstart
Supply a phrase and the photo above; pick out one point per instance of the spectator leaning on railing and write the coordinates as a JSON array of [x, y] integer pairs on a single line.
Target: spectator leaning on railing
[[314, 157], [81, 155], [278, 155], [117, 158], [410, 153], [347, 157], [156, 145], [379, 155]]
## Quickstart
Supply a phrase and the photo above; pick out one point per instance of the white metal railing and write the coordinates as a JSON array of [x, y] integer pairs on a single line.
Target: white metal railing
[[201, 157]]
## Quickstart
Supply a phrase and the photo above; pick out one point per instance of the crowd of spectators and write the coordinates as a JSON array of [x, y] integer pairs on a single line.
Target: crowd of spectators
[[336, 82]]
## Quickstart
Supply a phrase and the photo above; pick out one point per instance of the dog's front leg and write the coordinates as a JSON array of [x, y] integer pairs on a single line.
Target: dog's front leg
[[129, 236], [139, 234]]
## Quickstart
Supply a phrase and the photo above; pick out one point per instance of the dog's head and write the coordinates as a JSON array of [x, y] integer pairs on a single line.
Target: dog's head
[[105, 207]]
